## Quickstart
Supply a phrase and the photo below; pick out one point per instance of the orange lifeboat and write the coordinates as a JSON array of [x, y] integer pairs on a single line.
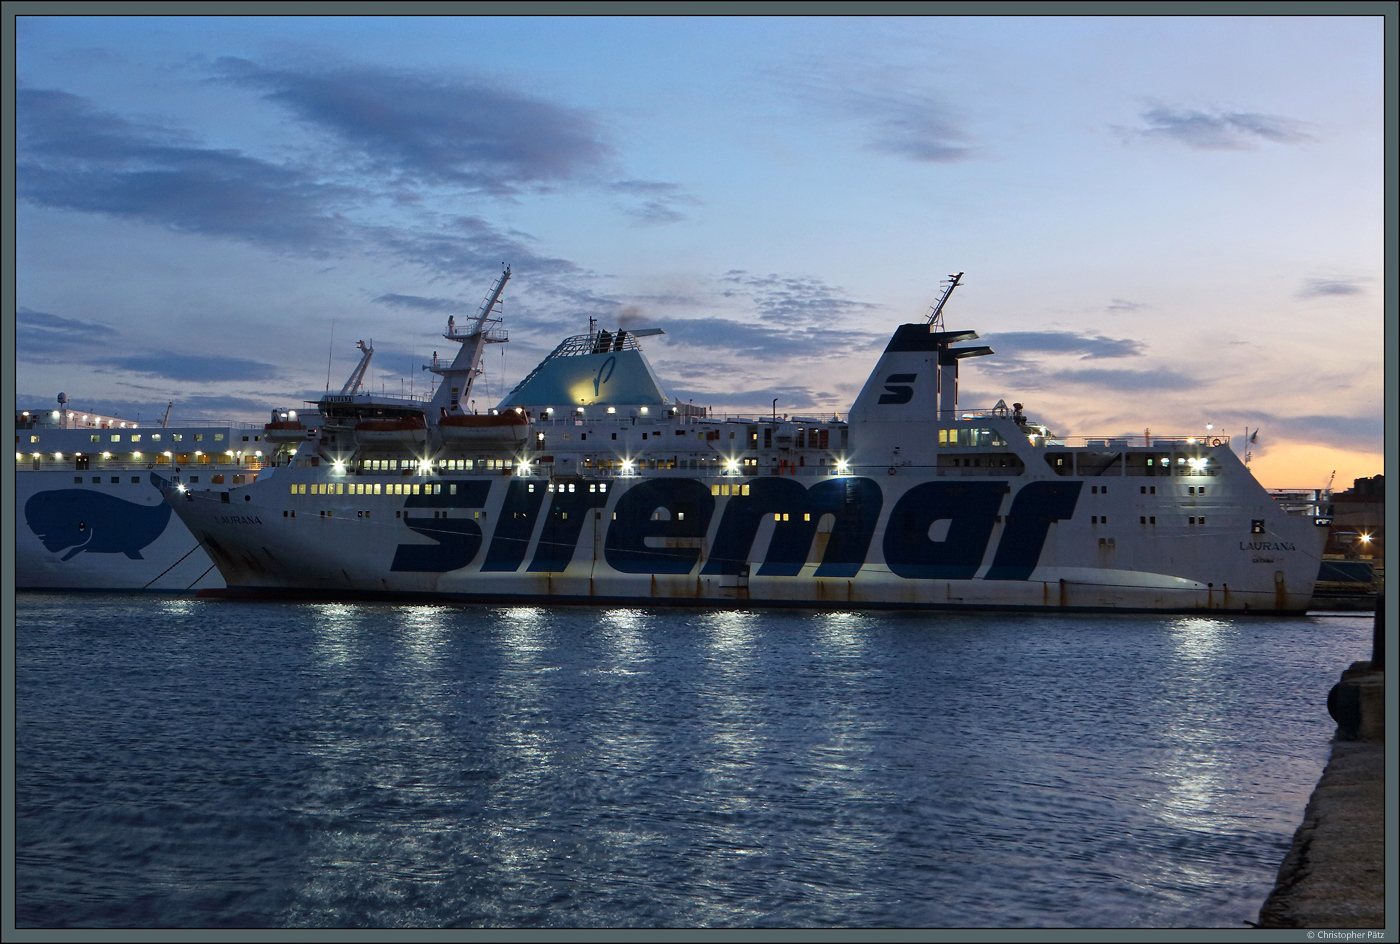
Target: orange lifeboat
[[398, 430], [499, 428], [284, 431]]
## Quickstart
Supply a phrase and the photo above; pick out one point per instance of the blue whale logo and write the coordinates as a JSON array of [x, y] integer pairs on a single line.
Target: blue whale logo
[[91, 521]]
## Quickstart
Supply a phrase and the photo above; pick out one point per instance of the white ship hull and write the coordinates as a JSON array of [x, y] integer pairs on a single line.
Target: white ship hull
[[519, 547]]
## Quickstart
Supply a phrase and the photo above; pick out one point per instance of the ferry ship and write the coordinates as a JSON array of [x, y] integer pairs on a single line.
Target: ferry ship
[[587, 484], [89, 515]]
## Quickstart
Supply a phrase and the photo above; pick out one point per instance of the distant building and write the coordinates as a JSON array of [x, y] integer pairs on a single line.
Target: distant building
[[1358, 521]]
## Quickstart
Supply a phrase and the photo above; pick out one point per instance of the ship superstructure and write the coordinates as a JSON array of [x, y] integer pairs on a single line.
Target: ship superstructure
[[587, 483]]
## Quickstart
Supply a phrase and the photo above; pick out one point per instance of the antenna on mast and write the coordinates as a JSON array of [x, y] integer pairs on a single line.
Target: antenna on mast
[[935, 317]]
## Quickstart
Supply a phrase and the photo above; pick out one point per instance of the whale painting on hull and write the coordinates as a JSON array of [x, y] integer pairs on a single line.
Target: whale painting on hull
[[80, 520]]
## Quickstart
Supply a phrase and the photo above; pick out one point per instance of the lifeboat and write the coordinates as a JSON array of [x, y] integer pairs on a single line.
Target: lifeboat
[[508, 428], [284, 431], [398, 430]]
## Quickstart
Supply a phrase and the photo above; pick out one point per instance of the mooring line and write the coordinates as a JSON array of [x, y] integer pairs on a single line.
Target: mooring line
[[173, 566]]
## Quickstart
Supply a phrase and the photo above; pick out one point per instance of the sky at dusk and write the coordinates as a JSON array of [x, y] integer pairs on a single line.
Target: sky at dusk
[[1164, 221]]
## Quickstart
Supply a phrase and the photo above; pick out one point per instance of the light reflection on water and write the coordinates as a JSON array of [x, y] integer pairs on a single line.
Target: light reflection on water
[[367, 766]]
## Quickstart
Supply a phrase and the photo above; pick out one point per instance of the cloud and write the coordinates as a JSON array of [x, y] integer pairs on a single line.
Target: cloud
[[1319, 288], [422, 303], [757, 400], [1066, 342], [796, 317], [790, 301], [464, 244], [1129, 380], [1219, 131], [70, 156], [897, 118], [654, 202], [1360, 433], [434, 130], [193, 368], [39, 332], [745, 339], [1120, 305], [912, 125]]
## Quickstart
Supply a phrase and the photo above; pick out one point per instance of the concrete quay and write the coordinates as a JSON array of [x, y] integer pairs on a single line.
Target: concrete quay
[[1334, 873]]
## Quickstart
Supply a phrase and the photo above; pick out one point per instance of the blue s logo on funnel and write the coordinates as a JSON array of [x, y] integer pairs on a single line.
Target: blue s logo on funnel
[[91, 521]]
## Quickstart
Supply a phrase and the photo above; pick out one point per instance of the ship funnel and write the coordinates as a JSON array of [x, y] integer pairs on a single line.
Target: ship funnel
[[916, 377]]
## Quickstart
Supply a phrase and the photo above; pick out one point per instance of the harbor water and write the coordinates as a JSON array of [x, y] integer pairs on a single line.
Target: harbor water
[[194, 764]]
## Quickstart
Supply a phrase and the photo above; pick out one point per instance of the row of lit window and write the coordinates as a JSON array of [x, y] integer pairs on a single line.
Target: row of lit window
[[967, 436], [443, 465], [161, 457], [370, 488]]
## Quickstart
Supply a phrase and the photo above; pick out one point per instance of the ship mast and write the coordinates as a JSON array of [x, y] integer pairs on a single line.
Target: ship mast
[[357, 376], [457, 379], [935, 317]]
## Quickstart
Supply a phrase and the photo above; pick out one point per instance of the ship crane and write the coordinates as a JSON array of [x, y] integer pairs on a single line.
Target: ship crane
[[357, 376], [466, 366]]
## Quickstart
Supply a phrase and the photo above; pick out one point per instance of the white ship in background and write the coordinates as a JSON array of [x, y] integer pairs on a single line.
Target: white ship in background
[[88, 514], [587, 484]]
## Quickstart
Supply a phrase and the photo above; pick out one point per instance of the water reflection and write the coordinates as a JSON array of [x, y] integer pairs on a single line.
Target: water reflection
[[424, 636], [337, 640], [520, 631], [1197, 638], [1199, 788], [626, 632], [177, 608]]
